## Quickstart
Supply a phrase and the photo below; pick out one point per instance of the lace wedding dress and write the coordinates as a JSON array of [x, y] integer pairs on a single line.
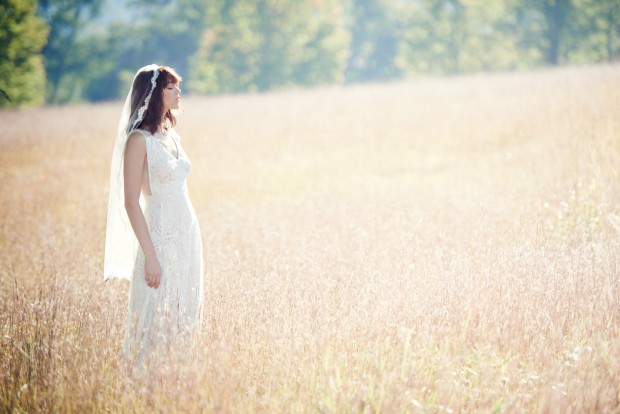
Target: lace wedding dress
[[159, 318]]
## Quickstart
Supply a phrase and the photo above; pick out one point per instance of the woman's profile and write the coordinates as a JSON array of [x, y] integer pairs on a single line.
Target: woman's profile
[[152, 235]]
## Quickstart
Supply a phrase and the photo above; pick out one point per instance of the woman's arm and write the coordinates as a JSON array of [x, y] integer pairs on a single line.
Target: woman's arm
[[133, 166]]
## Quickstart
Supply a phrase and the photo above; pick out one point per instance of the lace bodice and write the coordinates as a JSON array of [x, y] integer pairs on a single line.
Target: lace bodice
[[167, 173]]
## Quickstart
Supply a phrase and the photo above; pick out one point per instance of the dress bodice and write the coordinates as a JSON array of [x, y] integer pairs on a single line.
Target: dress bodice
[[167, 174]]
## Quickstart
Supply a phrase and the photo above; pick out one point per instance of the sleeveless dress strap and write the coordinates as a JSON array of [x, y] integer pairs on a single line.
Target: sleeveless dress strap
[[148, 138], [144, 133]]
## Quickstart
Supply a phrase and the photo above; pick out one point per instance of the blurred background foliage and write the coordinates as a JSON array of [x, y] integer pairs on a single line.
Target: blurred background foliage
[[60, 51]]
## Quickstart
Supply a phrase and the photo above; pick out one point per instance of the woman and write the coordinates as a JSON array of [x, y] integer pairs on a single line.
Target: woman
[[149, 204]]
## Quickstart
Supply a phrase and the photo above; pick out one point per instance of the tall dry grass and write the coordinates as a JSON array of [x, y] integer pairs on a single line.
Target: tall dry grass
[[441, 245]]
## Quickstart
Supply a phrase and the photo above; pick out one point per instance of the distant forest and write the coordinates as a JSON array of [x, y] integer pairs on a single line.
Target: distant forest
[[61, 51]]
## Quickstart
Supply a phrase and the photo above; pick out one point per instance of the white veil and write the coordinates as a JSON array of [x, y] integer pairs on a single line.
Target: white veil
[[121, 242]]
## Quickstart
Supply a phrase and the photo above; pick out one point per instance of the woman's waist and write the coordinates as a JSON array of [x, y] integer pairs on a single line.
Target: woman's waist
[[170, 196]]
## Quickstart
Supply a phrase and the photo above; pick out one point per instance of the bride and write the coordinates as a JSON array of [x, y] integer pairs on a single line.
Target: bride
[[152, 235]]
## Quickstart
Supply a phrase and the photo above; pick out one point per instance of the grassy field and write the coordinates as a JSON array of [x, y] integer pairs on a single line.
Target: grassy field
[[441, 245]]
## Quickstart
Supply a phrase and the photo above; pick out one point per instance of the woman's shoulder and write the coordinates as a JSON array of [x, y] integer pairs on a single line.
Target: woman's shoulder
[[139, 134], [139, 137], [143, 132]]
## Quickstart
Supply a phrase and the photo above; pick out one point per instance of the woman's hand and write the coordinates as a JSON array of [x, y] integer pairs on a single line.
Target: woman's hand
[[152, 271]]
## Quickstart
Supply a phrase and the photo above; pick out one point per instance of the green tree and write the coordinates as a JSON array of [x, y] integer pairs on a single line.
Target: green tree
[[324, 45], [22, 36], [436, 37], [375, 32], [228, 55], [162, 31], [610, 26], [64, 59], [491, 43], [544, 26], [594, 31], [101, 75], [301, 42], [556, 13], [265, 44], [166, 32], [454, 36]]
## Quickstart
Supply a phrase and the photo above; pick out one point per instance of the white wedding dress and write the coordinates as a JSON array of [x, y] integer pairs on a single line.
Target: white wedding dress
[[159, 318]]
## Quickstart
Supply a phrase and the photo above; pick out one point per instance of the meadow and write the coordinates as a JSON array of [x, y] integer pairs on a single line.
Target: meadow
[[439, 245]]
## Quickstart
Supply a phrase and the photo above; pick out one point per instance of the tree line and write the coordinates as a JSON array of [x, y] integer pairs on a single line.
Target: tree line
[[56, 51]]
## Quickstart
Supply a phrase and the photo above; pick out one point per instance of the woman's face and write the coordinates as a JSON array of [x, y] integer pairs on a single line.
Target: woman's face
[[171, 96]]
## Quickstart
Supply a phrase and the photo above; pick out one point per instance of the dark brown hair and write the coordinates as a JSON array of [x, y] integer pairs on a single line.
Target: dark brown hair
[[154, 115]]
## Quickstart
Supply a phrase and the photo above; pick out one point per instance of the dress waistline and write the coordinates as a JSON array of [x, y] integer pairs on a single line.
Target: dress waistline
[[179, 195]]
